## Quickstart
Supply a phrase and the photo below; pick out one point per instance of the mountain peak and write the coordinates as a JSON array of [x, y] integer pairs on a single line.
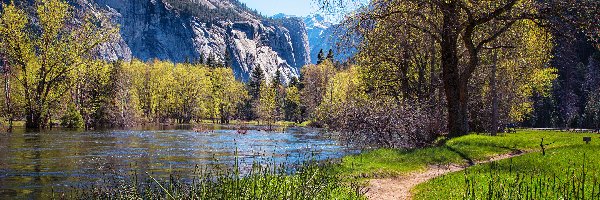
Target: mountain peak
[[317, 21]]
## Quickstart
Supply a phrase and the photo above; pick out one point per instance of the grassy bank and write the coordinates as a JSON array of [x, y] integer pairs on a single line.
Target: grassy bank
[[462, 150], [570, 172]]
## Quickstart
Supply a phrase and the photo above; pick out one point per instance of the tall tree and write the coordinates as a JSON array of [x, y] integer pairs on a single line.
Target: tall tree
[[46, 51], [320, 57], [256, 80], [228, 58], [277, 78], [463, 30], [330, 55], [315, 80], [8, 110], [266, 106]]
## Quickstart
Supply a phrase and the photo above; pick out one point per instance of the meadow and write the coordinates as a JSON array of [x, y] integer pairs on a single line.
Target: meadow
[[570, 172], [463, 150]]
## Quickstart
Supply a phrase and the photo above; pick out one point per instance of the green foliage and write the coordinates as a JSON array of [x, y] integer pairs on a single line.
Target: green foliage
[[226, 94], [330, 55], [292, 103], [46, 50], [266, 106], [256, 80], [320, 57], [185, 92], [72, 118], [344, 86], [315, 80]]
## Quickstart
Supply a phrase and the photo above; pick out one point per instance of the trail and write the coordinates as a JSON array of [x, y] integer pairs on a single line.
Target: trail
[[400, 187]]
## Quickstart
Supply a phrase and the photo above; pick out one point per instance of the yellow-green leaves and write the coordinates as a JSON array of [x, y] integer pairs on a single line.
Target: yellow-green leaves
[[267, 104], [46, 51], [15, 41], [185, 92]]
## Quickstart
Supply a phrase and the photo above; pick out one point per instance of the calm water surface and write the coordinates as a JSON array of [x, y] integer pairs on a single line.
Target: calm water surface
[[32, 164]]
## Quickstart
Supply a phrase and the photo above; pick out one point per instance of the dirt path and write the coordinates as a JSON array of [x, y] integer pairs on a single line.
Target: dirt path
[[399, 187]]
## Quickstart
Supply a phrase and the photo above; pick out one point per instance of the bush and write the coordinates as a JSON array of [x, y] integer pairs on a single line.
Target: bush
[[72, 118], [386, 123]]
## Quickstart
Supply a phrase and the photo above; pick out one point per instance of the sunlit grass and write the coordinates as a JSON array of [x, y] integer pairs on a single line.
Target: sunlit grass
[[569, 172], [462, 150]]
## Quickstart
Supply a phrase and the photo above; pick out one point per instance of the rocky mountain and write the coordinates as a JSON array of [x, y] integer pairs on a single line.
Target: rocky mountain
[[320, 35], [190, 30], [323, 34]]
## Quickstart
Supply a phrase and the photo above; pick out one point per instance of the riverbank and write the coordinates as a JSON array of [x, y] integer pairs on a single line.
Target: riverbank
[[395, 166], [284, 124]]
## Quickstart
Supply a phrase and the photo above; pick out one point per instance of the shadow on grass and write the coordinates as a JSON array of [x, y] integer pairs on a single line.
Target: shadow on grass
[[461, 154]]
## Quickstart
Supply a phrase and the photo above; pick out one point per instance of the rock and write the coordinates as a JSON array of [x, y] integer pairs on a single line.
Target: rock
[[157, 29]]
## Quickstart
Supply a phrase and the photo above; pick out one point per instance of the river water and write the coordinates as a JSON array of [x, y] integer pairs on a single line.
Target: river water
[[33, 164]]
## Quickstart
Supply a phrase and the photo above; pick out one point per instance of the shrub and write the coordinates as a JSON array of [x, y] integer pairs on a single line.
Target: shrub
[[72, 118], [386, 123]]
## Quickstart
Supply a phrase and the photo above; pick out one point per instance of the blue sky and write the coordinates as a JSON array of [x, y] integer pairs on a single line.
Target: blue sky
[[289, 7]]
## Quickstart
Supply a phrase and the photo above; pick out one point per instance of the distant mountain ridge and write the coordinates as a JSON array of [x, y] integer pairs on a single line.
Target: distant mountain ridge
[[322, 35]]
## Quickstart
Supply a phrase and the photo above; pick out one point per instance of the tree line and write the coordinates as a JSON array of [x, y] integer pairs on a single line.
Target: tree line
[[50, 74]]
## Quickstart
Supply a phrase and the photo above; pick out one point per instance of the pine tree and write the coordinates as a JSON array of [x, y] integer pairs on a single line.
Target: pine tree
[[330, 55], [210, 61], [294, 82], [320, 57], [277, 78], [256, 79], [201, 59]]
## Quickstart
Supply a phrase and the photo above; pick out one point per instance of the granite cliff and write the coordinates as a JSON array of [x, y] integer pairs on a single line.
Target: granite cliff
[[188, 30]]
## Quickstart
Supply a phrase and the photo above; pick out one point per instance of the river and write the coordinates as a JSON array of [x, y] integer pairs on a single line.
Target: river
[[33, 164]]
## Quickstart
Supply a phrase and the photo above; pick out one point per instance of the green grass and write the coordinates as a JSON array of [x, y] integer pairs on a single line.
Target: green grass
[[461, 150], [558, 175]]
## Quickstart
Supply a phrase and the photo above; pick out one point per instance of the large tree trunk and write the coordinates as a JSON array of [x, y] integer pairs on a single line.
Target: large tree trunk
[[7, 98], [494, 128], [34, 120], [455, 88]]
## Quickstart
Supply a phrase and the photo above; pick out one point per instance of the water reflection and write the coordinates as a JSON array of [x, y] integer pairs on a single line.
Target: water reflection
[[32, 164]]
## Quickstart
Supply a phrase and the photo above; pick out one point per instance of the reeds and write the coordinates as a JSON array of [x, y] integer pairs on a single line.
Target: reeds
[[310, 180]]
